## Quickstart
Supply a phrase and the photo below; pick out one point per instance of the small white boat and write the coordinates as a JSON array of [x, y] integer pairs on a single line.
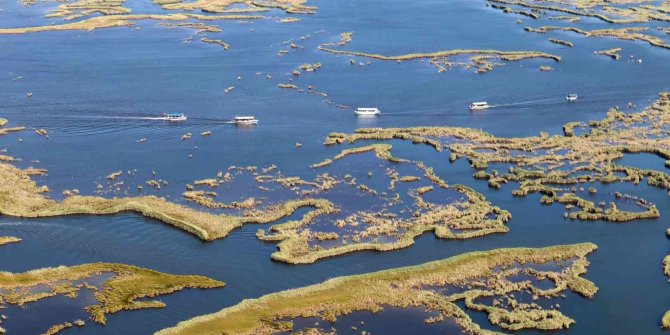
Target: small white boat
[[245, 121], [174, 117], [361, 111], [571, 97], [479, 105]]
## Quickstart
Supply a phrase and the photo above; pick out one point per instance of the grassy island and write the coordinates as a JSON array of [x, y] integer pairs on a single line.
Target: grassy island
[[473, 278], [21, 197], [126, 288]]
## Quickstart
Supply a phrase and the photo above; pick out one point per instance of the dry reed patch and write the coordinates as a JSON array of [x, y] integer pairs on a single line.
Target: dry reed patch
[[556, 165], [126, 289], [9, 239], [471, 276]]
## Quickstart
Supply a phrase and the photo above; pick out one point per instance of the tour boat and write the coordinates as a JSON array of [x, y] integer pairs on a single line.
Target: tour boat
[[480, 105], [245, 120], [173, 117], [571, 97], [367, 111]]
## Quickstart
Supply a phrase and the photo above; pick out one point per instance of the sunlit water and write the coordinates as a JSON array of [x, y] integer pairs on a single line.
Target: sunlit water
[[94, 90]]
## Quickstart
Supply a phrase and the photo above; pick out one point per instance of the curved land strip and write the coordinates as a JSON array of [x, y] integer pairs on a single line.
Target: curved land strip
[[126, 288], [630, 34], [5, 131], [436, 287], [555, 166], [612, 53], [109, 21], [481, 60], [221, 6], [21, 197], [382, 151], [9, 239], [599, 9]]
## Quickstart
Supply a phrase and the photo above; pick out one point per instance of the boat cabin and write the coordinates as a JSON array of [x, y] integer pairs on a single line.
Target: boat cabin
[[174, 117], [245, 120], [479, 105], [367, 111]]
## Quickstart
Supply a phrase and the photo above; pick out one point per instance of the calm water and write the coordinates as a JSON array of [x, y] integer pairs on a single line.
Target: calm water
[[90, 87]]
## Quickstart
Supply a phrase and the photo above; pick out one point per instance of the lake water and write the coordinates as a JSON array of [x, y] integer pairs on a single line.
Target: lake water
[[90, 88]]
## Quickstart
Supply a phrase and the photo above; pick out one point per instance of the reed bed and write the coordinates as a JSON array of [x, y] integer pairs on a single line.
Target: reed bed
[[549, 164], [21, 197], [479, 274], [612, 53], [9, 239], [561, 42], [125, 290], [480, 60]]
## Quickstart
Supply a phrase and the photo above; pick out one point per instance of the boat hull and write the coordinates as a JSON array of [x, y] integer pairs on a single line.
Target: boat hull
[[246, 123], [367, 114]]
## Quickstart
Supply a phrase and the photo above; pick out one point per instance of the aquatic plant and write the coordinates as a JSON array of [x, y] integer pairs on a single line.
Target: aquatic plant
[[479, 59], [470, 276], [613, 53], [126, 289], [558, 160], [21, 197], [9, 239], [215, 41], [127, 20], [630, 34], [561, 42]]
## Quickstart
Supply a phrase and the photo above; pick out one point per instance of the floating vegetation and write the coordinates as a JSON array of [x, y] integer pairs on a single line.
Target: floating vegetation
[[398, 220], [125, 288], [554, 166], [5, 131], [109, 21], [561, 42], [631, 34], [480, 60], [9, 239], [289, 20], [637, 11], [482, 281], [514, 11], [613, 53], [310, 67], [221, 6], [214, 41], [21, 197], [42, 132], [288, 86], [90, 15]]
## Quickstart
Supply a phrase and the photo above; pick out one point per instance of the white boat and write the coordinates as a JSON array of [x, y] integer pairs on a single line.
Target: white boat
[[174, 117], [361, 111], [245, 120], [571, 97], [479, 105]]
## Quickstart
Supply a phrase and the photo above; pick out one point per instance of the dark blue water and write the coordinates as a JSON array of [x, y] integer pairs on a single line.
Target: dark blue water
[[89, 88]]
